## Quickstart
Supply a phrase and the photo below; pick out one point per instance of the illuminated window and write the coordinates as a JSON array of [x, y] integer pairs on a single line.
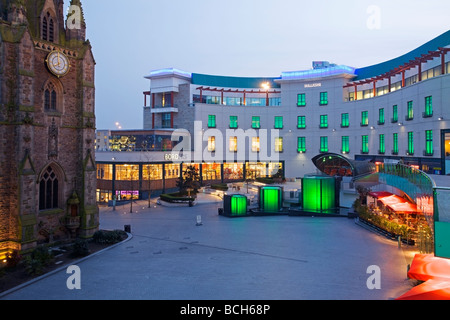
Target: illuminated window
[[301, 122], [409, 111], [232, 144], [410, 143], [382, 146], [256, 122], [323, 98], [323, 144], [364, 118], [301, 145], [345, 120], [278, 122], [381, 118], [345, 144], [394, 114], [395, 143], [171, 171], [428, 107], [255, 144], [166, 120], [211, 121], [127, 172], [153, 172], [365, 144], [301, 100], [104, 171], [429, 143], [233, 122], [324, 121], [278, 144], [211, 144]]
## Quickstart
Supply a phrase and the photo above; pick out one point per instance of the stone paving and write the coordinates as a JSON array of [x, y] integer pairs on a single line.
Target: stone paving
[[170, 257]]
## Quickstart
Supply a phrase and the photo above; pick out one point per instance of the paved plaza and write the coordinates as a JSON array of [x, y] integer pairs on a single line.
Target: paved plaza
[[170, 257]]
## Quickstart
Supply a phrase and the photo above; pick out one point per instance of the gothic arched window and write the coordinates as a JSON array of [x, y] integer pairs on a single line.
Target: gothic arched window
[[48, 28], [48, 190], [50, 97], [44, 29]]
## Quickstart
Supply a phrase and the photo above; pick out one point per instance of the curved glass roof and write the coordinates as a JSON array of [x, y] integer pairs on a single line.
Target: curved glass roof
[[333, 164]]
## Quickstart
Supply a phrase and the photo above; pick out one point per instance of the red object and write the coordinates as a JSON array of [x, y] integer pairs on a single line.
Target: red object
[[436, 272], [430, 290]]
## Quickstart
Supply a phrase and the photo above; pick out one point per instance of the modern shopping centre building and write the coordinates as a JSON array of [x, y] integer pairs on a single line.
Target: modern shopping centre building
[[234, 127]]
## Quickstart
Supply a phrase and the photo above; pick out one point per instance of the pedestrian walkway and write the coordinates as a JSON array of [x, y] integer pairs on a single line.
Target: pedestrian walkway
[[171, 257]]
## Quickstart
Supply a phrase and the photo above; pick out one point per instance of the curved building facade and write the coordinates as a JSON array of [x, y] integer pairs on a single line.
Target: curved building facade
[[394, 111]]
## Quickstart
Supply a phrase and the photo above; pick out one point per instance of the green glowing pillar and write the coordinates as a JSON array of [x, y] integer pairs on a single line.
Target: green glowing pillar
[[270, 199], [318, 193], [238, 205]]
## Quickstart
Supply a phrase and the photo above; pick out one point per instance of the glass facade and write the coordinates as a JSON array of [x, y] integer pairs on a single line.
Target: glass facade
[[318, 194]]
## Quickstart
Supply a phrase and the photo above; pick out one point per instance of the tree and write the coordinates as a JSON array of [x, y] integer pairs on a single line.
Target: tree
[[189, 179]]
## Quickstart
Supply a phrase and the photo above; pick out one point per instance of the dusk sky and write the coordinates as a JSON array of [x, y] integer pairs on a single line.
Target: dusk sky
[[242, 38]]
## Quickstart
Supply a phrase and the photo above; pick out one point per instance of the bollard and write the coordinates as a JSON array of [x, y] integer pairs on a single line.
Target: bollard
[[127, 228]]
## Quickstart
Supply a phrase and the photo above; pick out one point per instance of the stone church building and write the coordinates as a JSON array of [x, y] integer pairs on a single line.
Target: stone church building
[[47, 125]]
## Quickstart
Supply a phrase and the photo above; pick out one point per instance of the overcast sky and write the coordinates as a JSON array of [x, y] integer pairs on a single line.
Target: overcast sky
[[249, 38]]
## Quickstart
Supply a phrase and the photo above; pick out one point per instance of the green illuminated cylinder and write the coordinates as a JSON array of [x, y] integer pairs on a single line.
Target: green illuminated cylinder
[[235, 205], [270, 199], [318, 193]]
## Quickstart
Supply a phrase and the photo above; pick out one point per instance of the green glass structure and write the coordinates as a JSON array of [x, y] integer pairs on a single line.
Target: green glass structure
[[270, 199], [235, 205], [318, 193]]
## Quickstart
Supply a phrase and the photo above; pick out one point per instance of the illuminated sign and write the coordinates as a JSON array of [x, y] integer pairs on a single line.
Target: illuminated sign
[[313, 85], [171, 156]]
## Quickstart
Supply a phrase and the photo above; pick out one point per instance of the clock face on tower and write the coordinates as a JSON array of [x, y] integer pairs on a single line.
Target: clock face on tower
[[58, 63]]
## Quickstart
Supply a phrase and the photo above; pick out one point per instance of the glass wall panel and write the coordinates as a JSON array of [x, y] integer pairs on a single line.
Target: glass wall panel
[[104, 171]]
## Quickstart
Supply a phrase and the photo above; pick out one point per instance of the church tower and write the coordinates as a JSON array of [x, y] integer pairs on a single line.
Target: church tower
[[47, 125]]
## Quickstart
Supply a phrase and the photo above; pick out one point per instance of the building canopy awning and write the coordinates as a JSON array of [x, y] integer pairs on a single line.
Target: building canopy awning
[[333, 164], [396, 203]]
